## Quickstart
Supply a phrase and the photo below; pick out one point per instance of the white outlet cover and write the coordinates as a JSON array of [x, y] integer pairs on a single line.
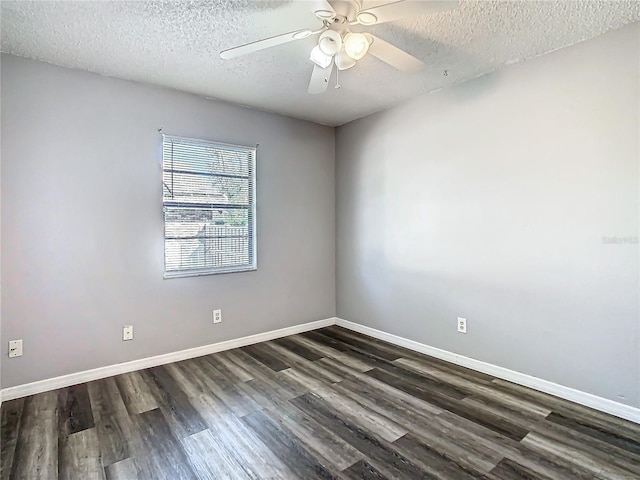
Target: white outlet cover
[[462, 325], [15, 348], [217, 316], [127, 332]]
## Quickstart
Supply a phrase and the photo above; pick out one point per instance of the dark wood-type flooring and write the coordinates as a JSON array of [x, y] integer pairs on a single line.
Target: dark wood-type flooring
[[324, 404]]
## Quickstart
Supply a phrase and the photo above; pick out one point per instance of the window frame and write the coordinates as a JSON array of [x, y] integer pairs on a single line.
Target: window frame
[[251, 210]]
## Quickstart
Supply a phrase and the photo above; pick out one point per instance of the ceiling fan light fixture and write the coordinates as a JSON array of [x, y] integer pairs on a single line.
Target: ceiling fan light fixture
[[356, 45], [366, 18], [344, 61], [320, 58], [330, 42]]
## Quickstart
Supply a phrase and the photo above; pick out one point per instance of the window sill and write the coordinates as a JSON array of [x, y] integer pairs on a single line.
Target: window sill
[[201, 273]]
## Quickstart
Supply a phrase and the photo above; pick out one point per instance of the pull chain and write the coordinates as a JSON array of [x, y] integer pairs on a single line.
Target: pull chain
[[337, 78]]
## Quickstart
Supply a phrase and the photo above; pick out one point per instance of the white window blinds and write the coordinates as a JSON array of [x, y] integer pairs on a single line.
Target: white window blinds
[[209, 207]]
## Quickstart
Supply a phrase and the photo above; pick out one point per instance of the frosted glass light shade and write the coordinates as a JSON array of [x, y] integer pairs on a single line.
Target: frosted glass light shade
[[320, 58], [356, 45], [330, 42], [344, 61]]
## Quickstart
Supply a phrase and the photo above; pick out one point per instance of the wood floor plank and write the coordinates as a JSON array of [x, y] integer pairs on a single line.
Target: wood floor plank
[[379, 454], [581, 442], [445, 371], [492, 422], [353, 335], [365, 385], [265, 392], [173, 401], [79, 456], [331, 353], [241, 373], [423, 381], [472, 451], [36, 453], [548, 466], [606, 435], [361, 416], [113, 425], [9, 430], [225, 429], [436, 463], [479, 389], [384, 361], [298, 348], [313, 368], [303, 378], [570, 409], [509, 470], [201, 392], [325, 446], [135, 393], [253, 454], [122, 470], [195, 379], [165, 454], [288, 448], [264, 356], [360, 345], [551, 447], [422, 358], [141, 459], [400, 413], [210, 367], [360, 353], [263, 374], [362, 470], [249, 452], [228, 369], [211, 459], [74, 408], [236, 398], [515, 414], [489, 438]]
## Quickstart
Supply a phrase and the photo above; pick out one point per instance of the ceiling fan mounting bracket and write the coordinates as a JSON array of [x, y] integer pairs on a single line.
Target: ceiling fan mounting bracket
[[345, 10], [339, 23]]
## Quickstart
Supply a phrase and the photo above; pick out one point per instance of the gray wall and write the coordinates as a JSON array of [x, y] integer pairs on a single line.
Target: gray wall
[[490, 201], [82, 230]]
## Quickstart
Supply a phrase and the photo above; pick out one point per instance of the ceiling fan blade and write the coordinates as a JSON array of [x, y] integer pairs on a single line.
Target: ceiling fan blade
[[323, 9], [320, 79], [393, 55], [402, 9], [264, 43]]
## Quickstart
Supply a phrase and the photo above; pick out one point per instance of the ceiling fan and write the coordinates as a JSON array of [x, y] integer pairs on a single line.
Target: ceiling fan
[[339, 46]]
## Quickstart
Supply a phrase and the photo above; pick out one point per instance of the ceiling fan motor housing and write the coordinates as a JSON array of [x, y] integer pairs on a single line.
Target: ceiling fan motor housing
[[345, 11]]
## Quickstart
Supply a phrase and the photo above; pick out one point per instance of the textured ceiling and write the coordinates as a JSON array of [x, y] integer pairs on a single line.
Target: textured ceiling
[[176, 44]]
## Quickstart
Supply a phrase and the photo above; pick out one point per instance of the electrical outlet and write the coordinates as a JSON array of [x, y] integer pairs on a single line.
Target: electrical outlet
[[15, 348], [462, 325], [217, 316], [127, 332]]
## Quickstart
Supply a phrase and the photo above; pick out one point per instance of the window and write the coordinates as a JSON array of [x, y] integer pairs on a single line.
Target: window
[[209, 207]]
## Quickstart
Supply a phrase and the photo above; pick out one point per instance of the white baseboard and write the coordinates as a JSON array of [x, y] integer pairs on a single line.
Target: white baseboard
[[583, 398], [599, 403], [108, 371]]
